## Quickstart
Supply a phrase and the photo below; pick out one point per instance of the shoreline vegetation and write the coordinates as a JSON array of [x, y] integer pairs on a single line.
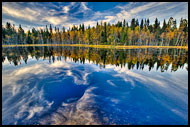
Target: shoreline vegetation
[[97, 46]]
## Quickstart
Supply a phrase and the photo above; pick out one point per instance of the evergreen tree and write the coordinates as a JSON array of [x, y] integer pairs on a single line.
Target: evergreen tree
[[137, 23], [83, 28], [105, 33], [133, 24], [21, 35], [164, 26], [50, 28], [50, 34], [148, 22], [124, 23], [145, 24], [145, 34], [156, 25], [142, 25], [123, 36], [29, 39]]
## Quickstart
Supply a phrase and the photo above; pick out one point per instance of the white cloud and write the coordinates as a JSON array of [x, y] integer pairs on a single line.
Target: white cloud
[[26, 13], [66, 9], [83, 6], [51, 12], [152, 10], [108, 18], [144, 7], [60, 64], [42, 15], [33, 111], [8, 20], [91, 23], [31, 69], [56, 20], [33, 14], [111, 83], [69, 73]]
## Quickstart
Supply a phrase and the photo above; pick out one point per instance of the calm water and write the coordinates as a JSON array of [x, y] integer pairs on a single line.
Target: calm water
[[68, 85]]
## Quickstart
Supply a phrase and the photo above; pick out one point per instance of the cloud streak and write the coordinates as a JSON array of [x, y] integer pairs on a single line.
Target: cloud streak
[[67, 14]]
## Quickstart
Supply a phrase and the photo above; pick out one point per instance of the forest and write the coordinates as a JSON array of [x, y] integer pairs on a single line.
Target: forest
[[143, 33]]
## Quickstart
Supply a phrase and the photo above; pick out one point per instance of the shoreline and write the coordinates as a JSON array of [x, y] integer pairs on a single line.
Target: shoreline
[[97, 46]]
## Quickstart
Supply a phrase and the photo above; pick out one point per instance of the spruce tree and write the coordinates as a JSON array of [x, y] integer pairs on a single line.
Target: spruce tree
[[156, 25], [83, 28], [164, 26], [141, 26], [137, 23], [105, 33], [133, 24], [124, 23]]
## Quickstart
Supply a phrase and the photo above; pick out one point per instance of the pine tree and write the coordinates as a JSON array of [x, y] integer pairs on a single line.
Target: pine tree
[[148, 22], [142, 25], [105, 33], [83, 28], [51, 33], [29, 39], [156, 25], [20, 35], [133, 24], [124, 23], [164, 26], [145, 34], [137, 23]]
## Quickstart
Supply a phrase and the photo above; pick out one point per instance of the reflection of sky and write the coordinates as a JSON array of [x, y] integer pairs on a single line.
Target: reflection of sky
[[73, 93]]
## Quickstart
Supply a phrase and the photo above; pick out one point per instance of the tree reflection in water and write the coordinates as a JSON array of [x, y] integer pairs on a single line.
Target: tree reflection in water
[[161, 58]]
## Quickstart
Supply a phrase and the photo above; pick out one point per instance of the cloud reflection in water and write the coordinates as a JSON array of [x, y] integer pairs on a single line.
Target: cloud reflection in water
[[71, 93]]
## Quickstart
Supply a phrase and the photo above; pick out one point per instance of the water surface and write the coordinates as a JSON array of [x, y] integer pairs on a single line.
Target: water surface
[[75, 85]]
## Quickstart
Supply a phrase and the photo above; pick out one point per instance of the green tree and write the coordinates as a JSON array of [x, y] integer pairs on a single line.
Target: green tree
[[164, 26], [105, 34], [133, 24], [21, 35], [29, 39], [141, 25], [156, 25]]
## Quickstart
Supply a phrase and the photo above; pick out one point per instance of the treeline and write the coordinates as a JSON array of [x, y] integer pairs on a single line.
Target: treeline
[[132, 58], [121, 33]]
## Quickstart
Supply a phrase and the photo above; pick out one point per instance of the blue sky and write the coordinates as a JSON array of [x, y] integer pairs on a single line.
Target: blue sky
[[39, 14]]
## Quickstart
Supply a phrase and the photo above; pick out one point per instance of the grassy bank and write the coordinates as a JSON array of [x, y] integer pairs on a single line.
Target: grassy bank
[[98, 46]]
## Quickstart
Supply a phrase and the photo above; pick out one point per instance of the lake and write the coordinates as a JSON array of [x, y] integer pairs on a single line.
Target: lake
[[77, 85]]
